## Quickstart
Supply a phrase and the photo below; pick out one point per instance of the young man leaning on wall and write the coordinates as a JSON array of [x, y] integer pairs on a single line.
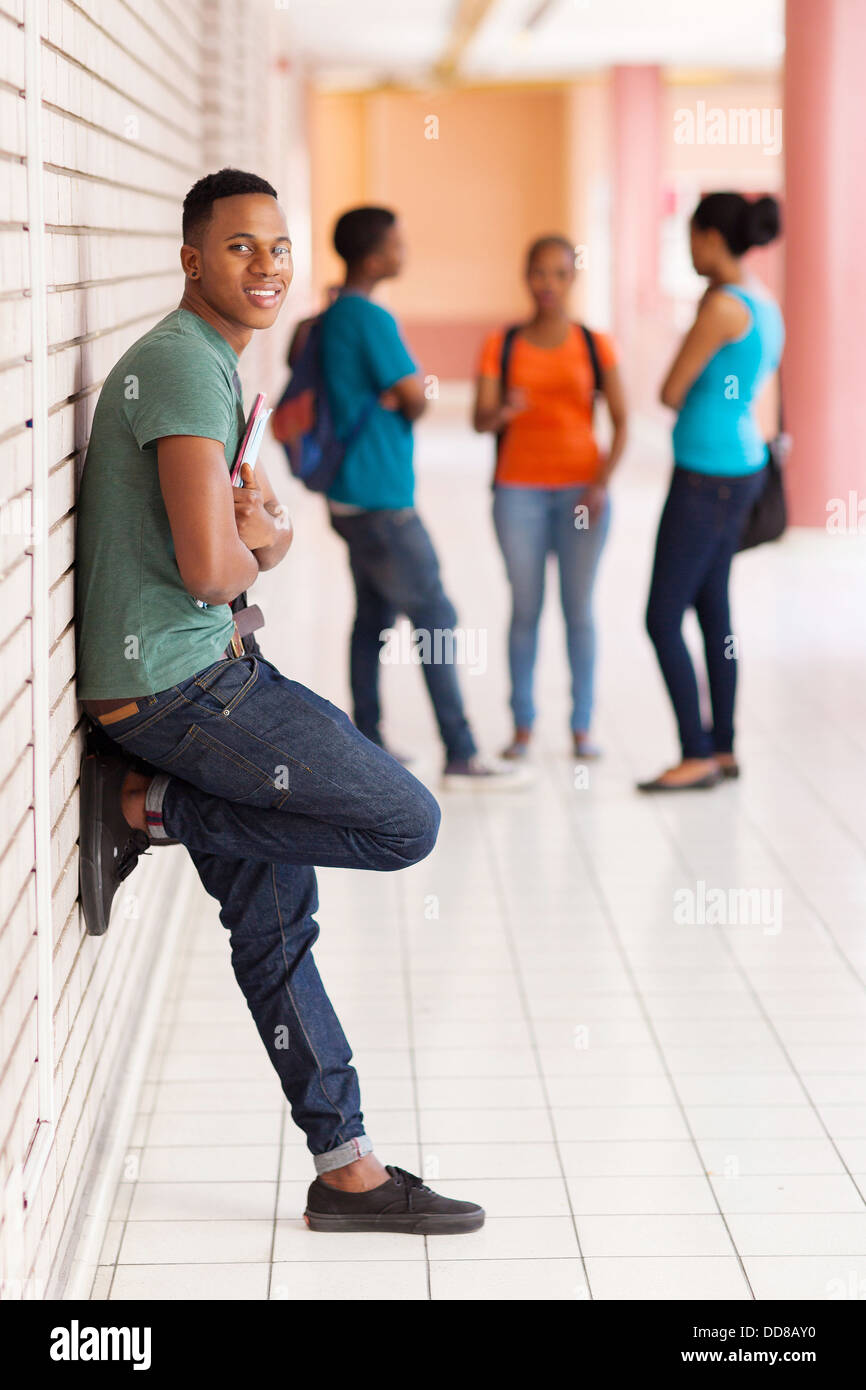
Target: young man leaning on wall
[[258, 777]]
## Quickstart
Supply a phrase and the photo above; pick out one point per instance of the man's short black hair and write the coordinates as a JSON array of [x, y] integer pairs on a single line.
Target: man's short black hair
[[227, 183], [360, 231]]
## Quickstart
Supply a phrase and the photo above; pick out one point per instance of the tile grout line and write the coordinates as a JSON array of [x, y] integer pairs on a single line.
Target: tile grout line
[[804, 893], [754, 992], [271, 1261], [180, 971], [400, 893], [614, 930], [530, 1027]]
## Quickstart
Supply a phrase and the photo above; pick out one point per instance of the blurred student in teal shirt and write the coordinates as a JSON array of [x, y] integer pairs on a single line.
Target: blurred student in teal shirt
[[367, 367]]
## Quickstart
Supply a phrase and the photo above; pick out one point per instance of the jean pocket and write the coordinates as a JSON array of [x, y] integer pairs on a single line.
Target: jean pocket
[[225, 684], [218, 768]]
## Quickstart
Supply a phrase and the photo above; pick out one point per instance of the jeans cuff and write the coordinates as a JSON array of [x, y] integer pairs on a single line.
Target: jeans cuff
[[153, 810], [350, 1152], [461, 751]]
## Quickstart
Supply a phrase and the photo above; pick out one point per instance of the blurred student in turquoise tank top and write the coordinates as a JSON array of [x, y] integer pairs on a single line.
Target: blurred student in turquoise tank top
[[720, 459]]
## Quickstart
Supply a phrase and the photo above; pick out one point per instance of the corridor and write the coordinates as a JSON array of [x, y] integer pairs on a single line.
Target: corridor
[[546, 1016]]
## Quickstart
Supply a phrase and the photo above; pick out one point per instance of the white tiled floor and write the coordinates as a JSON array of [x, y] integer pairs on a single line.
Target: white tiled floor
[[646, 1110]]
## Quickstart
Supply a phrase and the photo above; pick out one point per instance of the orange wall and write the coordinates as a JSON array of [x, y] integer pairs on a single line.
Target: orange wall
[[509, 163], [338, 173], [470, 201]]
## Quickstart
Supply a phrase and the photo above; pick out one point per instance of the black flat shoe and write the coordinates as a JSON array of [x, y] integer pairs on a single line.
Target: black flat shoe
[[730, 771], [403, 1203], [710, 779], [109, 848]]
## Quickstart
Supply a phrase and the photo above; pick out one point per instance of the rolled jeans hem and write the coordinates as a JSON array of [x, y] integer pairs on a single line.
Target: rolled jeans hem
[[350, 1152]]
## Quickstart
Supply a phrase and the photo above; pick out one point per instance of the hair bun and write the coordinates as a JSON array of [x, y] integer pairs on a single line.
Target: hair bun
[[762, 221]]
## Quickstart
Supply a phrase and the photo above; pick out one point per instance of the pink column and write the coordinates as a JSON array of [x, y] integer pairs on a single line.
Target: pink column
[[825, 283], [635, 207]]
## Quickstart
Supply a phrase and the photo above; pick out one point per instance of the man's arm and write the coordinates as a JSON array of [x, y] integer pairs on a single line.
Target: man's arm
[[215, 558], [407, 396], [390, 364]]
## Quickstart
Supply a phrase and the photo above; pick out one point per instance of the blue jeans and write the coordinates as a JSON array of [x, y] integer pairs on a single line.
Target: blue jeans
[[396, 570], [699, 531], [260, 779], [530, 524]]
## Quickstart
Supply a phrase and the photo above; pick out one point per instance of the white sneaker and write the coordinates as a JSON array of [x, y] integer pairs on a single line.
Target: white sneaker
[[485, 774]]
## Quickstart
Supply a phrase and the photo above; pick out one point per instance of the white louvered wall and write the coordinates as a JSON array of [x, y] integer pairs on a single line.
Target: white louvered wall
[[137, 102], [19, 1099]]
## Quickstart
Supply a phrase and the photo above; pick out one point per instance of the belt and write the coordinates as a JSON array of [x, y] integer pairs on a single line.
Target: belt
[[246, 620]]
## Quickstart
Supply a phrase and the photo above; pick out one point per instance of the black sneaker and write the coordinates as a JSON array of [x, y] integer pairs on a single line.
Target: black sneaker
[[402, 1204], [109, 848]]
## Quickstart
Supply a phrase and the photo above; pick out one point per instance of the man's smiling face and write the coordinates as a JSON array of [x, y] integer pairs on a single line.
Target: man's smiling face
[[244, 259]]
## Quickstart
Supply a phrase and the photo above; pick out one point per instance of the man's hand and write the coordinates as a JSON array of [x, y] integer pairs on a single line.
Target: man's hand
[[255, 520], [405, 397]]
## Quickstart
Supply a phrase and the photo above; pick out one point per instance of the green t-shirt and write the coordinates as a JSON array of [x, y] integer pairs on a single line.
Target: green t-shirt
[[138, 630]]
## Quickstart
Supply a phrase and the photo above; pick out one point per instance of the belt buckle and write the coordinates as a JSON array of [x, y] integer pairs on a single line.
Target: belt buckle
[[237, 642]]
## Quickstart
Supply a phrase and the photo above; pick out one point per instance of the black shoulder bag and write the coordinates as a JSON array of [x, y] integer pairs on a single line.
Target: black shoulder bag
[[768, 519]]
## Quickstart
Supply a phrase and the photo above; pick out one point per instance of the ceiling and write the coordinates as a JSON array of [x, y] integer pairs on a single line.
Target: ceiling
[[367, 42]]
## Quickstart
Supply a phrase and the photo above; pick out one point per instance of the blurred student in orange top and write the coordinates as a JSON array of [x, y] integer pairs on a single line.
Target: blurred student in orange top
[[550, 485]]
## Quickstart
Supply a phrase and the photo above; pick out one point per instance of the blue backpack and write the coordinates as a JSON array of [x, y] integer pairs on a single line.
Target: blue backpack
[[303, 424]]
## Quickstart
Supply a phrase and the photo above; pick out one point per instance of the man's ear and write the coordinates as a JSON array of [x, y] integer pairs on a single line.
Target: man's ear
[[190, 259]]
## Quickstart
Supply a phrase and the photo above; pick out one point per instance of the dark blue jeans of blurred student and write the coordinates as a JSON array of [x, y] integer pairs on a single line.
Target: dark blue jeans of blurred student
[[396, 571], [698, 535]]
